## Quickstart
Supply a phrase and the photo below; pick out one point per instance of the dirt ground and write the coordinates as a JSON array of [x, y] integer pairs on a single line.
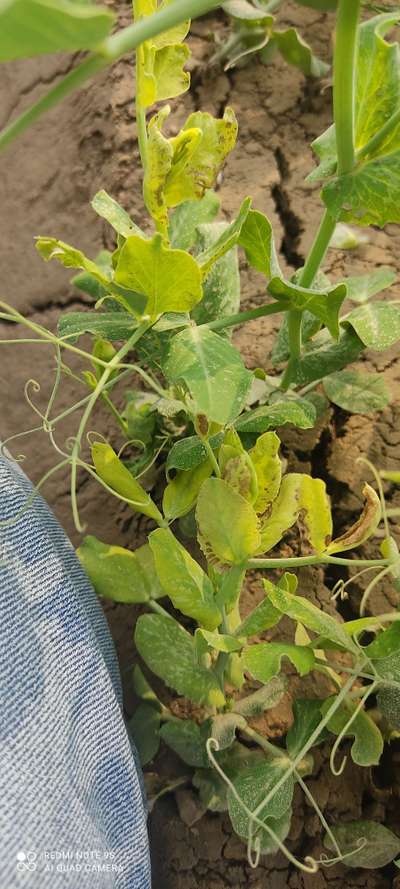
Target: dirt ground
[[47, 179]]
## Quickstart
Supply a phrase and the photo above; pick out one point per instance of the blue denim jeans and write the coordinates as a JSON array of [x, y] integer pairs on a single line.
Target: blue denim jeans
[[72, 812]]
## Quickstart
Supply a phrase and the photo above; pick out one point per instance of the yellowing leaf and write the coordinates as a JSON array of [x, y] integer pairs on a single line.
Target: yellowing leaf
[[218, 137], [228, 527], [283, 514], [52, 248], [119, 574], [268, 468], [363, 528], [317, 512], [170, 279], [113, 472], [181, 492], [165, 160], [184, 580], [161, 60]]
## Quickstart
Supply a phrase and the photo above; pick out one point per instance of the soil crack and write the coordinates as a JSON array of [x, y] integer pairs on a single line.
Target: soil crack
[[291, 224]]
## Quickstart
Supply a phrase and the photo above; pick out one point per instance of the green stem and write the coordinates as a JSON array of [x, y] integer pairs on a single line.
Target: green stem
[[111, 50], [376, 141], [318, 250], [241, 317], [155, 606], [277, 752], [300, 561], [344, 78], [211, 456], [115, 412], [294, 331]]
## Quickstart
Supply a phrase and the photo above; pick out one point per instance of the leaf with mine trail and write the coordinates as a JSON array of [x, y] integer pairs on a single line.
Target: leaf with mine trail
[[325, 305], [227, 239], [363, 528], [221, 286], [212, 370], [120, 574], [304, 612], [367, 747], [185, 220], [112, 212], [264, 660], [216, 140], [188, 740], [169, 651], [360, 288], [221, 539], [265, 698], [113, 472], [33, 27], [170, 279], [256, 238], [180, 494], [145, 729], [376, 324], [368, 194], [357, 392], [110, 325], [283, 514], [252, 785], [365, 844], [183, 580]]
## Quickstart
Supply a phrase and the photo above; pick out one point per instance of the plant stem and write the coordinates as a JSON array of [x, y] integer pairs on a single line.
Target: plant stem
[[241, 317], [318, 250], [211, 456], [344, 71], [262, 742], [299, 561], [158, 608], [110, 51], [294, 331]]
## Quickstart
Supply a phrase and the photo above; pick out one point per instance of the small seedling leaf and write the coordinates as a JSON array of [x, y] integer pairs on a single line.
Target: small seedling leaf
[[297, 52]]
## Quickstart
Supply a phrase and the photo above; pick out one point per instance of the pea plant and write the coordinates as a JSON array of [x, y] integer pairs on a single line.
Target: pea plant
[[165, 303]]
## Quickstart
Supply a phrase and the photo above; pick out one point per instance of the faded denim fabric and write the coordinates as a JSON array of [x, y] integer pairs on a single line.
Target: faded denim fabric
[[71, 806]]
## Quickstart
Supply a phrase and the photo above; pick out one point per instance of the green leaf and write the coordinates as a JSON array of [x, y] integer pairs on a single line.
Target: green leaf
[[307, 716], [227, 239], [299, 412], [116, 573], [219, 537], [145, 729], [263, 660], [183, 580], [363, 528], [185, 220], [384, 653], [169, 651], [324, 359], [372, 844], [221, 287], [261, 618], [268, 468], [230, 588], [180, 494], [367, 195], [190, 452], [257, 240], [212, 370], [357, 392], [170, 279], [265, 698], [367, 747], [109, 209], [220, 641], [361, 287], [325, 305], [297, 52], [252, 785], [113, 472], [32, 27], [304, 612], [188, 740], [388, 699], [143, 689], [89, 284], [110, 325], [376, 324]]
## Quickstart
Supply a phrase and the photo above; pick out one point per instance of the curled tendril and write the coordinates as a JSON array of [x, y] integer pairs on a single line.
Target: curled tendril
[[310, 868], [325, 861], [371, 586], [253, 846], [136, 442], [153, 459], [342, 734], [35, 386], [340, 588], [21, 457], [99, 437]]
